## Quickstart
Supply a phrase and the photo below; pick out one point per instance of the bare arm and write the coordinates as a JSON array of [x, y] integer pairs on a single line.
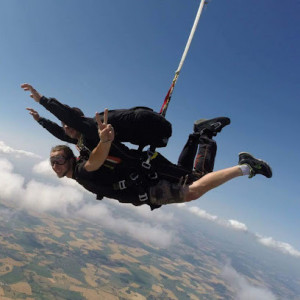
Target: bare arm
[[100, 152]]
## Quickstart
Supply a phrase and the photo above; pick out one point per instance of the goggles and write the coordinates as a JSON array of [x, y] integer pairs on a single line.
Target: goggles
[[58, 159]]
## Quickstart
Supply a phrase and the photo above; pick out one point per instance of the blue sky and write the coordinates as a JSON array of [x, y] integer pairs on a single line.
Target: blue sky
[[243, 63]]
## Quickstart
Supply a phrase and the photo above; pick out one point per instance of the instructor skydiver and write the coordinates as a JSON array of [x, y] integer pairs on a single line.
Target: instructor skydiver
[[139, 125]]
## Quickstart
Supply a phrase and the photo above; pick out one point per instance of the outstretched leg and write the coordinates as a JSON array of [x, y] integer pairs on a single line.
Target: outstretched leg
[[248, 165], [211, 181]]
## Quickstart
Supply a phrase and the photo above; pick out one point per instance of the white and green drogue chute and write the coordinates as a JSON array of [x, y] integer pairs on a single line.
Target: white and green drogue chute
[[167, 100]]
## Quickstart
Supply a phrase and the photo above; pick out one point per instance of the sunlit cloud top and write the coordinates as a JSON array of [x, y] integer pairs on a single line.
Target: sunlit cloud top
[[8, 150]]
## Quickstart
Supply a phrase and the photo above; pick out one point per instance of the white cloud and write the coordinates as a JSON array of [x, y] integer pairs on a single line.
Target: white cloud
[[139, 230], [155, 216], [43, 168], [35, 195], [43, 197], [205, 215], [281, 246], [11, 184], [202, 213], [244, 290], [8, 150], [236, 225]]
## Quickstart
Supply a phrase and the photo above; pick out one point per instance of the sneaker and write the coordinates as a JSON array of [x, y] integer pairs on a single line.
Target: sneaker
[[257, 166], [212, 126]]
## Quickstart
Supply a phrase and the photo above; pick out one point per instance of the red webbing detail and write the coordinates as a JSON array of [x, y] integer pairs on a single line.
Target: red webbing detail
[[164, 107]]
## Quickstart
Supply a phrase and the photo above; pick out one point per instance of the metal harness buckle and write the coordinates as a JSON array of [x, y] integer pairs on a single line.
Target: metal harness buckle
[[143, 197], [134, 176], [146, 165], [122, 185]]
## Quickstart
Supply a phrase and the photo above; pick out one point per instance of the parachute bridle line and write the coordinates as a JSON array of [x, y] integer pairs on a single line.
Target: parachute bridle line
[[167, 100]]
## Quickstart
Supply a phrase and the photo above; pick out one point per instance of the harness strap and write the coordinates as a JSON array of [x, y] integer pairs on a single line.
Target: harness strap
[[135, 181]]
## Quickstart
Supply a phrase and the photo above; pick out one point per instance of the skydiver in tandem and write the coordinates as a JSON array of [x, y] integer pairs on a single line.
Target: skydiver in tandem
[[138, 125], [158, 182]]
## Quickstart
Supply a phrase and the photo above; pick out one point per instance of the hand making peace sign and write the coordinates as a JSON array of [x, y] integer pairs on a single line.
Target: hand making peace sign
[[105, 130]]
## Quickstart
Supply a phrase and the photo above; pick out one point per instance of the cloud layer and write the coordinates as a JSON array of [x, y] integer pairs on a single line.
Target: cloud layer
[[244, 290], [69, 198], [8, 150], [236, 225]]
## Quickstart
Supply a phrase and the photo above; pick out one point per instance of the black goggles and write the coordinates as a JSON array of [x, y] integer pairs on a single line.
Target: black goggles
[[58, 159]]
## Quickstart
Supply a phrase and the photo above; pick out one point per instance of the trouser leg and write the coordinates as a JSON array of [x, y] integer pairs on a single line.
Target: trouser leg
[[205, 159], [188, 153]]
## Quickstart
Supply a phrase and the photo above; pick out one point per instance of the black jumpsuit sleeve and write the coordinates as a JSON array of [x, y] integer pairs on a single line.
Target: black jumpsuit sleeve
[[86, 126], [56, 130]]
